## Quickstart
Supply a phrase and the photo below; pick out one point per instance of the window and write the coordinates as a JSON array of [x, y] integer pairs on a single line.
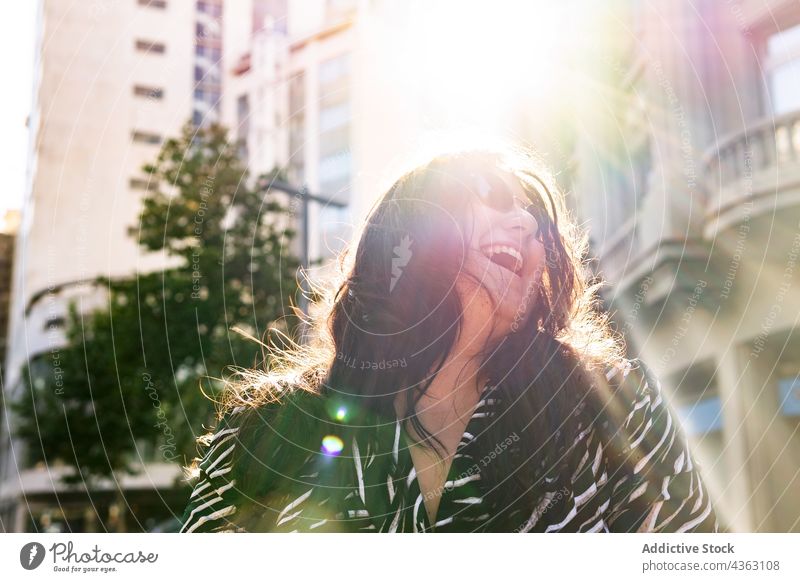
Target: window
[[243, 115], [297, 127], [210, 98], [243, 125], [147, 46], [702, 417], [209, 7], [149, 92], [213, 53], [334, 117], [334, 127], [145, 137], [207, 62], [789, 395], [782, 66], [334, 168], [333, 69], [213, 74], [209, 29], [56, 322], [142, 184]]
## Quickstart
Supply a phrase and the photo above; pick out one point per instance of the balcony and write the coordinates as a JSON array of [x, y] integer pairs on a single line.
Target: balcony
[[752, 173]]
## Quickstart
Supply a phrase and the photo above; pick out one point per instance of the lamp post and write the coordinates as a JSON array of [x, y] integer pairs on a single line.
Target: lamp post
[[305, 198]]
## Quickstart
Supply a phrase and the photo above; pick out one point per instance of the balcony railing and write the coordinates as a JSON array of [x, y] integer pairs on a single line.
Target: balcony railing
[[762, 160]]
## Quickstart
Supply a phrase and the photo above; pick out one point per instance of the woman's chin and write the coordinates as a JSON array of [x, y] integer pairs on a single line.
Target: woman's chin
[[501, 303], [513, 305], [510, 298]]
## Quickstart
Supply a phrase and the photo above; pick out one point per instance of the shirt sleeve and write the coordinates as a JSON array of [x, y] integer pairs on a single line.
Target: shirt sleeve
[[656, 483], [214, 498], [267, 479]]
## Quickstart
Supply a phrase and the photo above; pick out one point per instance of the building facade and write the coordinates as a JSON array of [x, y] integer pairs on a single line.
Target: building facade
[[690, 189], [112, 81], [289, 95], [9, 225]]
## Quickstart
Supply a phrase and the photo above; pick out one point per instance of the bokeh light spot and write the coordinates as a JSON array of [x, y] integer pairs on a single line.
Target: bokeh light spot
[[332, 445]]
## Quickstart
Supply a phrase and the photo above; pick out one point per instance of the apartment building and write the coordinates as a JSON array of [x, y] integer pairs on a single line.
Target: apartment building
[[113, 79], [689, 184]]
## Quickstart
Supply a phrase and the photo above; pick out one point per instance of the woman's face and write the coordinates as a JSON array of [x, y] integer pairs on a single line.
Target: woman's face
[[505, 257]]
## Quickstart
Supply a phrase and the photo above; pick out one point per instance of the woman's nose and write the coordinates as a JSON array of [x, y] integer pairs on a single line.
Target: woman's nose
[[520, 223]]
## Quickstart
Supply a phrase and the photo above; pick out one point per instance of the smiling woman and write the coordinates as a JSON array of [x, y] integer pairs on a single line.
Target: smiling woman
[[516, 410]]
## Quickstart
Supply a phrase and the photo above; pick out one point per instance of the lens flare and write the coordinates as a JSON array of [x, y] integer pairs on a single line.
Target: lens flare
[[332, 445], [341, 413]]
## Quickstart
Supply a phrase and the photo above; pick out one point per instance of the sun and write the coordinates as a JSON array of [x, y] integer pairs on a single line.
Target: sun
[[474, 62]]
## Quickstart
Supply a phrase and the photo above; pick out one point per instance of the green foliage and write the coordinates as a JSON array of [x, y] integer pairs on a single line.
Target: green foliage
[[127, 385]]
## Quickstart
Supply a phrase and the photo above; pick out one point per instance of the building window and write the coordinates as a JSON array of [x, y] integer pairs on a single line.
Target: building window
[[702, 417], [782, 67], [207, 62], [334, 127], [56, 322], [149, 92], [334, 69], [334, 162], [297, 128], [209, 29], [334, 168], [789, 395], [212, 53], [207, 97], [209, 7], [153, 3], [147, 46], [334, 117], [145, 137], [211, 74], [242, 125], [142, 184]]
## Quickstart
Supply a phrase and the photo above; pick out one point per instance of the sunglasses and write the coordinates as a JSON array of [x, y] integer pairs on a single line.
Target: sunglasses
[[495, 194]]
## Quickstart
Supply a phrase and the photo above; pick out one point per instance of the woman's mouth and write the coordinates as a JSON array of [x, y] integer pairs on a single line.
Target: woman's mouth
[[505, 256]]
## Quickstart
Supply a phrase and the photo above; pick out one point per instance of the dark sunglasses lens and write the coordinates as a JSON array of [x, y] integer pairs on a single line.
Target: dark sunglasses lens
[[500, 199], [494, 194]]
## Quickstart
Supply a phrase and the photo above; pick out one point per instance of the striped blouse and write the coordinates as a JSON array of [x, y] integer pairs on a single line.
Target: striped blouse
[[656, 488]]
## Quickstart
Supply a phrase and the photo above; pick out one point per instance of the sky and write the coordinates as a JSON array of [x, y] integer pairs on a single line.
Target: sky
[[458, 54], [17, 44]]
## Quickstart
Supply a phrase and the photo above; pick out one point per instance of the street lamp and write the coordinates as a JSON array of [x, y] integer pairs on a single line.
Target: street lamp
[[305, 198]]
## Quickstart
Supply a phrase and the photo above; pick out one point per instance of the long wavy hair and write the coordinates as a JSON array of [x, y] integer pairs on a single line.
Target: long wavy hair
[[396, 308]]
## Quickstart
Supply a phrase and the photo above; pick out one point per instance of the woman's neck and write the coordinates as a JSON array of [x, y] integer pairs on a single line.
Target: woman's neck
[[455, 388], [452, 393]]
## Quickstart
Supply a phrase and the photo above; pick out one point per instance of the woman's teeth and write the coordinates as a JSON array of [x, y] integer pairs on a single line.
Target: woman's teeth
[[505, 256]]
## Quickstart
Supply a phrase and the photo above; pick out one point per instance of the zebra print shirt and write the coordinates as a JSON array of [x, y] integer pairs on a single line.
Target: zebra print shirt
[[657, 489]]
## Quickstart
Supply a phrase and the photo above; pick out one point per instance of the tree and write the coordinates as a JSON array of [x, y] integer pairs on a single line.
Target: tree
[[126, 387]]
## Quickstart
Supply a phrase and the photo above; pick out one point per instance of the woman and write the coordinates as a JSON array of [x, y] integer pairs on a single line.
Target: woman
[[460, 381]]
